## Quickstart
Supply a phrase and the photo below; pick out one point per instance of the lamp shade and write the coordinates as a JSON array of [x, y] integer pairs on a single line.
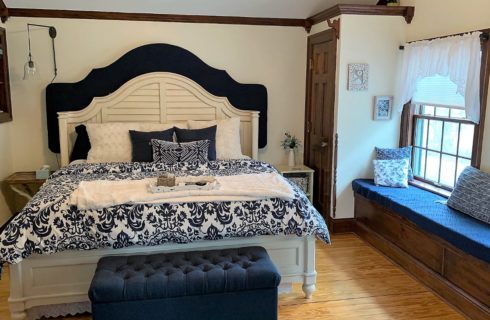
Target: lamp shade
[[29, 70]]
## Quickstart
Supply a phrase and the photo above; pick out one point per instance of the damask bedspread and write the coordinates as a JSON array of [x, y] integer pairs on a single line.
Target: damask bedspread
[[48, 224]]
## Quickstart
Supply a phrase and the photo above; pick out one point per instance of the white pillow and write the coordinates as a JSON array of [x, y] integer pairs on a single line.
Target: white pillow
[[228, 145], [391, 173], [110, 142]]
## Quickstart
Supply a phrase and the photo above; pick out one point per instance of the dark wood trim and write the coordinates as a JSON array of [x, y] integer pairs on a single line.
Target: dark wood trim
[[5, 101], [457, 277], [484, 83], [406, 125], [335, 11], [337, 226], [100, 15], [4, 11], [335, 25]]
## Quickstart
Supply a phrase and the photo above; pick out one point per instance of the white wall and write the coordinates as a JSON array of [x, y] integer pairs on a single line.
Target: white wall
[[272, 56], [373, 40], [435, 18]]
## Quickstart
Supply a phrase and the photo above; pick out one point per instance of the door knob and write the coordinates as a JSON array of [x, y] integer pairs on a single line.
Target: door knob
[[323, 144]]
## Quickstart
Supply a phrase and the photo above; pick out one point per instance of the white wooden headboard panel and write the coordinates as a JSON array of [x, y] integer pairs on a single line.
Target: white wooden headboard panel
[[159, 97]]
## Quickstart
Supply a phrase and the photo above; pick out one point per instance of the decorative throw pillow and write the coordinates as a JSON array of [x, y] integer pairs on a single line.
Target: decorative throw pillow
[[174, 152], [111, 143], [82, 144], [396, 154], [228, 145], [190, 135], [141, 143], [472, 194], [391, 173]]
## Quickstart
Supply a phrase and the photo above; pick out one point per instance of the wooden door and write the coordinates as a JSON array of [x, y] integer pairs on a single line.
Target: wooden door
[[320, 112]]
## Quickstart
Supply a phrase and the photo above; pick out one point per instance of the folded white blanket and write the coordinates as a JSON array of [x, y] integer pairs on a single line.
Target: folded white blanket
[[246, 187]]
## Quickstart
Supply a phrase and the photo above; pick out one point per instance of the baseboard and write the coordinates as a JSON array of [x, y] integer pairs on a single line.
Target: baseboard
[[337, 226]]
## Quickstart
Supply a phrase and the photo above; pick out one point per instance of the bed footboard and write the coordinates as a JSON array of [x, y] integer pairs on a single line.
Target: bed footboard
[[56, 285]]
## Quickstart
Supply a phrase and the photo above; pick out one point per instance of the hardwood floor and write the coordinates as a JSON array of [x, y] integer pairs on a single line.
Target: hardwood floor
[[354, 282]]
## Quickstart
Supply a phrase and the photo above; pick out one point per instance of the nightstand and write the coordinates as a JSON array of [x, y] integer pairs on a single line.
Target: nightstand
[[25, 185], [299, 174]]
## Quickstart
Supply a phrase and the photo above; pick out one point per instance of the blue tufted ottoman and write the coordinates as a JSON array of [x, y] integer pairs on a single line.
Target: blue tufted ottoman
[[220, 284]]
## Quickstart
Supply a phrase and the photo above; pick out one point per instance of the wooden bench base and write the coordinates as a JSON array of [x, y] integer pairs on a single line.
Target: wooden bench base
[[460, 279]]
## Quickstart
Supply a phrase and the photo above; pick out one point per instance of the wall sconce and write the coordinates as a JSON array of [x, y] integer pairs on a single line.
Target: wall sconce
[[30, 67]]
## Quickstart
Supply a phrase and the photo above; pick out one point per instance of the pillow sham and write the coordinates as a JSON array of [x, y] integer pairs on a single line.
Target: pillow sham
[[82, 144], [141, 143], [472, 194], [396, 154], [228, 145], [190, 135], [111, 143], [391, 173], [174, 152]]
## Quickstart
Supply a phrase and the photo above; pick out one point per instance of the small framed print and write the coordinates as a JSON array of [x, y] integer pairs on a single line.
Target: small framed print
[[358, 77], [382, 107]]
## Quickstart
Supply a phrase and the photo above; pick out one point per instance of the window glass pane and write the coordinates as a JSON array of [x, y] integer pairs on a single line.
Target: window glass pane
[[466, 140], [433, 163], [442, 112], [458, 114], [435, 135], [462, 163], [448, 169], [421, 133], [450, 142], [427, 110], [418, 162]]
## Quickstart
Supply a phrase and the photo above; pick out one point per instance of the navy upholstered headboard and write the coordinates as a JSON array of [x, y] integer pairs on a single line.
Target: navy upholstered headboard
[[101, 82]]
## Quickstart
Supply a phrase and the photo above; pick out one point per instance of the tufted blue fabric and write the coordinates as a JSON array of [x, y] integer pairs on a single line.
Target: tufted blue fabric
[[219, 284], [183, 274], [420, 207]]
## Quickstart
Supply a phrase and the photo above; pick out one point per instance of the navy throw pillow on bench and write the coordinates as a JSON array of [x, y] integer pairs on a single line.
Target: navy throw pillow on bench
[[191, 135], [472, 194], [141, 143]]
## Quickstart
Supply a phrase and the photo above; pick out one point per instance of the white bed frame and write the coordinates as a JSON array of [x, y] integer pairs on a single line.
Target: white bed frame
[[57, 285]]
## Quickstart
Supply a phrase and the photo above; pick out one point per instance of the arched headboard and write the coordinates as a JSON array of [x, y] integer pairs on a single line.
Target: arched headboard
[[161, 57], [158, 97]]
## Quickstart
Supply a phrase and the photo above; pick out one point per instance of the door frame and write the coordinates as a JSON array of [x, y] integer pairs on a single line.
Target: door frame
[[324, 36]]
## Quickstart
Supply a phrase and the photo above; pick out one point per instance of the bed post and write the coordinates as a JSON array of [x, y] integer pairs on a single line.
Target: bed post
[[309, 281], [255, 135], [16, 303]]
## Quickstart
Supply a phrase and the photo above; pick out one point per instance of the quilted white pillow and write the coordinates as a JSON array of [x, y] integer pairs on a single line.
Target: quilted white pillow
[[228, 145], [110, 142]]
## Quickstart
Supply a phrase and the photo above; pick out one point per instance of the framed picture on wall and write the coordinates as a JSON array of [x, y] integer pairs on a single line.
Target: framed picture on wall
[[383, 106], [358, 77]]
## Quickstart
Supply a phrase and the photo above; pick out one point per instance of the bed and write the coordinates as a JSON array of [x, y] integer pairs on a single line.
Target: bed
[[53, 280]]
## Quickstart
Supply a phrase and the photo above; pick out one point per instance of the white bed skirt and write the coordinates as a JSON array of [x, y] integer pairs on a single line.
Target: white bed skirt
[[57, 285]]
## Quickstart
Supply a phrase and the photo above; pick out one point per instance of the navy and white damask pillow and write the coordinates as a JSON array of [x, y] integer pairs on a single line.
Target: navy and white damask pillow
[[174, 152], [396, 154], [472, 194], [391, 173]]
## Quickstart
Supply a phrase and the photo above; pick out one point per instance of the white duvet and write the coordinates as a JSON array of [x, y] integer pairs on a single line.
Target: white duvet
[[245, 187]]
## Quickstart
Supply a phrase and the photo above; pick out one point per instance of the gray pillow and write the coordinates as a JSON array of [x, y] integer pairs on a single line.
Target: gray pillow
[[472, 194]]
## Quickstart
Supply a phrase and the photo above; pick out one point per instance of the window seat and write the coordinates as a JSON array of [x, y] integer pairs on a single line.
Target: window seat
[[420, 207], [446, 250]]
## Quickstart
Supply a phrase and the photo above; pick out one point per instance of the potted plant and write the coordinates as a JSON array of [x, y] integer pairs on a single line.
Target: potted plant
[[290, 143]]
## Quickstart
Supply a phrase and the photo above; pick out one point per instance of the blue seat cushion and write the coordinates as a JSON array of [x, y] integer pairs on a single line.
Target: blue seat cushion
[[169, 275], [422, 208]]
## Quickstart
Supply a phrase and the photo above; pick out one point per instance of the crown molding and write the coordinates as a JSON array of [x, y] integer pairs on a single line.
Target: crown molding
[[127, 16], [340, 9]]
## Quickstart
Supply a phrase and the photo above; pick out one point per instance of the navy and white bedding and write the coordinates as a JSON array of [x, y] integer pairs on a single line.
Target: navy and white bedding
[[48, 224]]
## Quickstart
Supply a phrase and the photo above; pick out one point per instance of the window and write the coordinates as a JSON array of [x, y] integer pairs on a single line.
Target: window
[[435, 124], [442, 144]]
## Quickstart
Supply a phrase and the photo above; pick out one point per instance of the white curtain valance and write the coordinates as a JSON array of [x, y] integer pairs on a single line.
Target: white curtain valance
[[457, 57]]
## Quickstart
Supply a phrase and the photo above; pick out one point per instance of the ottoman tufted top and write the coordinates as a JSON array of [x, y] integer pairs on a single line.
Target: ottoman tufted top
[[157, 276]]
